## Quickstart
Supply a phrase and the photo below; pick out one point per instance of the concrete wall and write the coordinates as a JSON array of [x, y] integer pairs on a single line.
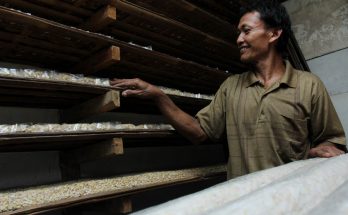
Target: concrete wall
[[321, 28]]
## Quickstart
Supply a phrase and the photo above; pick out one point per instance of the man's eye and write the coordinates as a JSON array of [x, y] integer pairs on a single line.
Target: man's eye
[[246, 31]]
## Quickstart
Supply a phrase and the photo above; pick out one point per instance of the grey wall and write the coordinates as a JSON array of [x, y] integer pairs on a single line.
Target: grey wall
[[321, 28]]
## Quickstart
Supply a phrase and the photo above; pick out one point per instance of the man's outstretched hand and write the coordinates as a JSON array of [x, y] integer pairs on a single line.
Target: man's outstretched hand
[[136, 88], [325, 150]]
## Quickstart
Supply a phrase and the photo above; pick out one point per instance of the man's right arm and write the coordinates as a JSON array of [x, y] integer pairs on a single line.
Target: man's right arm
[[185, 124]]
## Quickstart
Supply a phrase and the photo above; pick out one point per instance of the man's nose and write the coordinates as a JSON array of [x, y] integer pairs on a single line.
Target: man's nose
[[240, 39]]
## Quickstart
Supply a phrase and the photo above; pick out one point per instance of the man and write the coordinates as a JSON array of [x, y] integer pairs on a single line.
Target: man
[[272, 114]]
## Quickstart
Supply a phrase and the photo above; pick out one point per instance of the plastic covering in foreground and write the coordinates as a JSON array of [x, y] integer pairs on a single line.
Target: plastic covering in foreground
[[314, 186]]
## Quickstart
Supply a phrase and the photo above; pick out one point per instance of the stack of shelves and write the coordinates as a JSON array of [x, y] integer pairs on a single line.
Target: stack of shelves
[[173, 43], [60, 35]]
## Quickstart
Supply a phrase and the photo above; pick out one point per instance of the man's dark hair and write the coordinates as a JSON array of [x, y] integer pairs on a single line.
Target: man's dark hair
[[275, 16]]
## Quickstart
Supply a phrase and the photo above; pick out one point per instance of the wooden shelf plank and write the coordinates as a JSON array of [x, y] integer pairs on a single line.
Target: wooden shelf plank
[[40, 93], [62, 141], [150, 183]]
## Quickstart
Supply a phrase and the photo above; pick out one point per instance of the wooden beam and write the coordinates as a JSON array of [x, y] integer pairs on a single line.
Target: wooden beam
[[99, 61], [101, 19], [108, 148], [104, 103], [124, 205]]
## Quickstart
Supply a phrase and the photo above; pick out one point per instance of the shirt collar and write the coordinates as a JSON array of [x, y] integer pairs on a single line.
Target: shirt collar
[[251, 79], [289, 78]]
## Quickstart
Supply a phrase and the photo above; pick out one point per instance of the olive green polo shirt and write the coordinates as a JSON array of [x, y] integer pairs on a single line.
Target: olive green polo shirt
[[270, 127]]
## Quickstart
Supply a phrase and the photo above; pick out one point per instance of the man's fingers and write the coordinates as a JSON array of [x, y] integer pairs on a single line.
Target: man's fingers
[[325, 152], [126, 83], [135, 93], [135, 88], [318, 152]]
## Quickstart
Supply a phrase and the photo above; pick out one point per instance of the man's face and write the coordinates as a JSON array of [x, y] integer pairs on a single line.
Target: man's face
[[254, 38]]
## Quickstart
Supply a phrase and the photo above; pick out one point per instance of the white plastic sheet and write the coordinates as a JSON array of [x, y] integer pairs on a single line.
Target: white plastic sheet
[[303, 187]]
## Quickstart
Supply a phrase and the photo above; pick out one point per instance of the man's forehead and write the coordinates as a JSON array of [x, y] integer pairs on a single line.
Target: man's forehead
[[250, 19]]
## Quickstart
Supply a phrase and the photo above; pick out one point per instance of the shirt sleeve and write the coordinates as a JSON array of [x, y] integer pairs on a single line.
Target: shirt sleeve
[[326, 126], [212, 118]]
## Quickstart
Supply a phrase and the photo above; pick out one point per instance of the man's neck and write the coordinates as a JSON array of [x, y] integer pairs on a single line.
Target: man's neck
[[270, 70]]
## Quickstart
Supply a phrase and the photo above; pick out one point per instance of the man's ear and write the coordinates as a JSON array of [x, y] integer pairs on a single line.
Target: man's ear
[[275, 33]]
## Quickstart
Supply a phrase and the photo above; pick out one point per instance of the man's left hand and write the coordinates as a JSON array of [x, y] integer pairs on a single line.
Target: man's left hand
[[325, 150]]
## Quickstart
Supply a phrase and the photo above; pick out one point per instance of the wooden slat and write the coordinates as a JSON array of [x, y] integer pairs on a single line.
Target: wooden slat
[[101, 19], [59, 141], [34, 93], [99, 61], [101, 104]]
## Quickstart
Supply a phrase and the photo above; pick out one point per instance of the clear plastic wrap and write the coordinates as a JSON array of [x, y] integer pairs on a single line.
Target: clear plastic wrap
[[176, 92], [51, 75], [79, 127]]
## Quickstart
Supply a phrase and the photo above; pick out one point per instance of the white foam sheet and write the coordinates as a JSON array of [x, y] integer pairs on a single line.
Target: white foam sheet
[[335, 203], [222, 195], [298, 193]]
